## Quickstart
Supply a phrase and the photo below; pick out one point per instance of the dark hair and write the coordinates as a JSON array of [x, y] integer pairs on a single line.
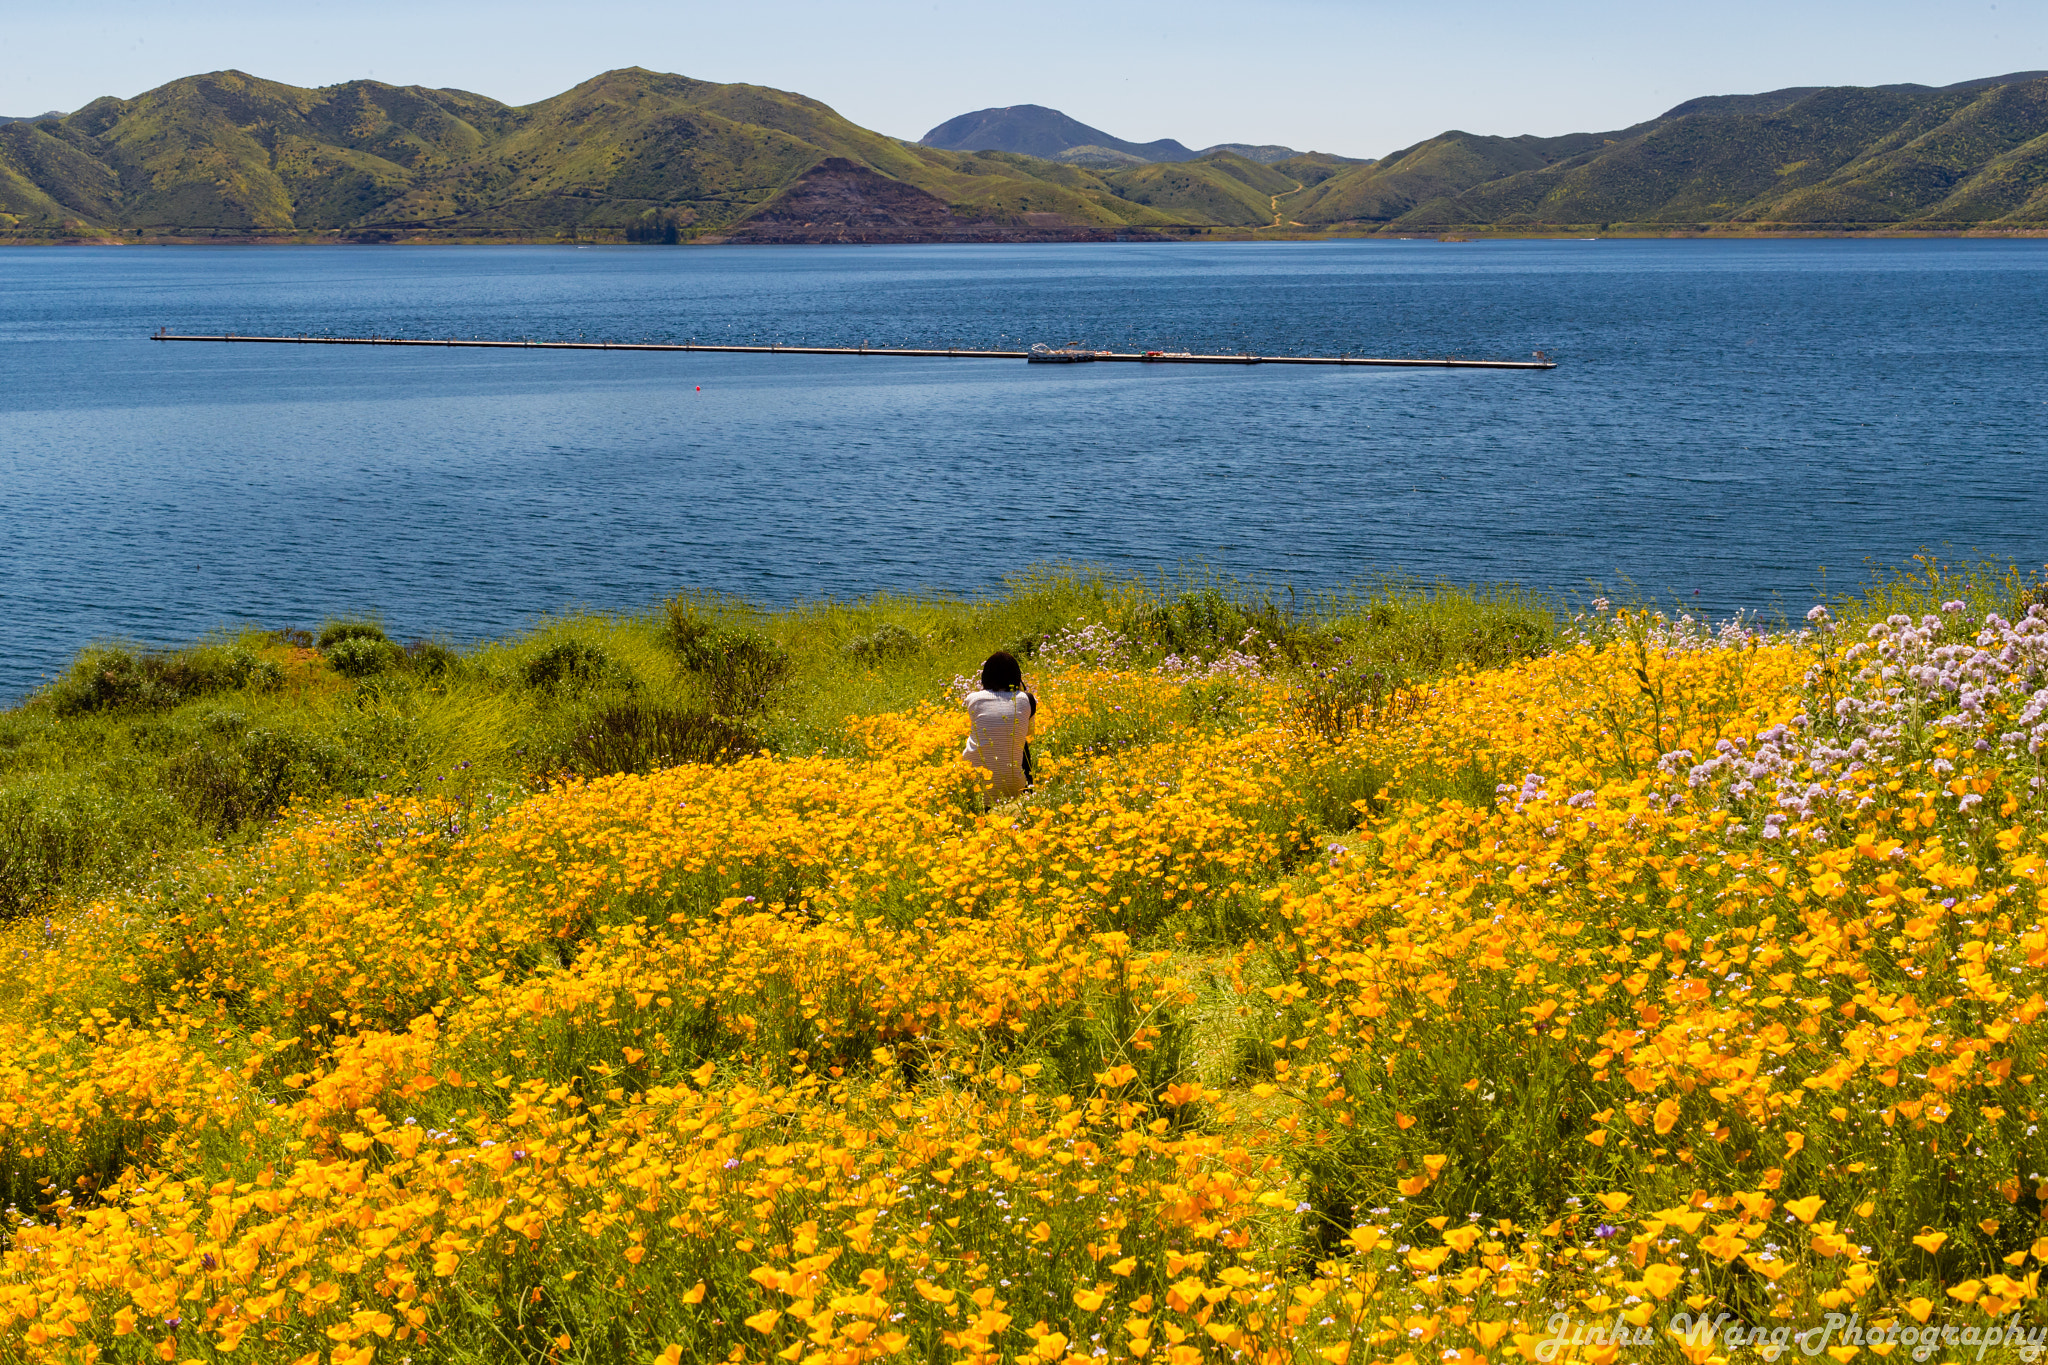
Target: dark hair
[[1002, 672]]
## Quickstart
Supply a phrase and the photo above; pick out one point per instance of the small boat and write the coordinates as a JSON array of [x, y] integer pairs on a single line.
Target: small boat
[[1042, 354]]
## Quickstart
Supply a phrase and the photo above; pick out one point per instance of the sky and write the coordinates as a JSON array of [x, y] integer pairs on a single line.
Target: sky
[[1357, 77]]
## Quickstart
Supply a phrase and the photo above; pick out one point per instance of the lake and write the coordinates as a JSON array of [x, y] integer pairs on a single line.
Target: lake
[[1727, 418]]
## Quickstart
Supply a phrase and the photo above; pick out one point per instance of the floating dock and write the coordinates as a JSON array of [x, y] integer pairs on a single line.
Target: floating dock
[[1063, 355]]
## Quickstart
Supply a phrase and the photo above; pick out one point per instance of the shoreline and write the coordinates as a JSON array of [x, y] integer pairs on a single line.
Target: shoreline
[[1444, 235]]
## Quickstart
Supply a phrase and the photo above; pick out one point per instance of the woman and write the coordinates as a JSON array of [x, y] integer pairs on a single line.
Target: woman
[[999, 737]]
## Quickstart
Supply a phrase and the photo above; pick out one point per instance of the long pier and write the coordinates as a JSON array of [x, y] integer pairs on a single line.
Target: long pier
[[1063, 356]]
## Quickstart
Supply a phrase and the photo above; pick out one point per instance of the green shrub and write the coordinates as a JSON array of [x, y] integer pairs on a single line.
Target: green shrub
[[334, 632], [739, 667], [59, 835], [228, 775], [43, 845], [1407, 632], [428, 659], [573, 665], [884, 644], [362, 656], [634, 736], [1202, 623], [110, 678]]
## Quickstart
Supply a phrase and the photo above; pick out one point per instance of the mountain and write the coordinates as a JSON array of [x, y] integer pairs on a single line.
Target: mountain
[[1265, 154], [638, 155], [1034, 130], [631, 152], [1915, 157]]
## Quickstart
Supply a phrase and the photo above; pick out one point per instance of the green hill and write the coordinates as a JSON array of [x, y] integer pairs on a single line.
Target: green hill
[[1444, 166], [1035, 130], [645, 156], [1970, 155], [1221, 188], [631, 150]]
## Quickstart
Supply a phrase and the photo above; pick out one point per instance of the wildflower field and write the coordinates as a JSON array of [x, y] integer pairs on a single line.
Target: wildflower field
[[1642, 973]]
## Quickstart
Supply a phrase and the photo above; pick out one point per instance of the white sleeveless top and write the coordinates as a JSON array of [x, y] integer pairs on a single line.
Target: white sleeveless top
[[1001, 725]]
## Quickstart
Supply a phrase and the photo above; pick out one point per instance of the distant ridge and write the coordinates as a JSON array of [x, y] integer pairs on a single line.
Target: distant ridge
[[1803, 159], [645, 156], [1780, 99], [1265, 154], [1034, 130]]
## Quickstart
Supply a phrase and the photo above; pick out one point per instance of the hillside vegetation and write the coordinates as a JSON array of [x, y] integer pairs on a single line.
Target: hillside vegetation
[[1897, 156], [1220, 187], [635, 155], [631, 151], [1391, 982]]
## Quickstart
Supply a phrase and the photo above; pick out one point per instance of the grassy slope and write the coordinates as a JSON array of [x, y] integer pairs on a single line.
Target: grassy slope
[[45, 176], [1444, 165], [1313, 168], [93, 774], [1832, 155], [1823, 156], [1221, 187], [1003, 185], [1987, 159], [1704, 166], [230, 151]]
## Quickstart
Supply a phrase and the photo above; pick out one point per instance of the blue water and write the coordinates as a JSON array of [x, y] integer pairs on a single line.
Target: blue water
[[1728, 418]]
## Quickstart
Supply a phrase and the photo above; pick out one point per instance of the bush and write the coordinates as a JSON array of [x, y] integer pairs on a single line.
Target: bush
[[885, 643], [638, 737], [362, 656], [574, 666], [110, 678], [48, 841], [1349, 697], [1202, 624], [228, 775], [1409, 632], [334, 632], [431, 660], [739, 667]]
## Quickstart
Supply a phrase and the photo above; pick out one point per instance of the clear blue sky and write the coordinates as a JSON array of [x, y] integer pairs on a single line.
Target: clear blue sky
[[1353, 76]]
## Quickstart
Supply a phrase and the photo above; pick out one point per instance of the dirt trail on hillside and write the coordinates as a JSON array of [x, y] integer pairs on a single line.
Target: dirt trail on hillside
[[1288, 194]]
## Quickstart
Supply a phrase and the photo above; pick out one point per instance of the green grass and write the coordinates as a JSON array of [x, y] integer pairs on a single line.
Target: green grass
[[134, 755], [1926, 582]]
